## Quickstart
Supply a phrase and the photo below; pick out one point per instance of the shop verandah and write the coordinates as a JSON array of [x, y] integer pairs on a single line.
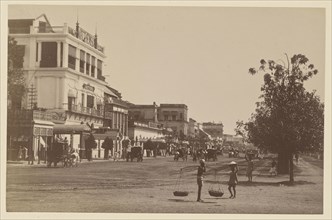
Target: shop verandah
[[29, 135]]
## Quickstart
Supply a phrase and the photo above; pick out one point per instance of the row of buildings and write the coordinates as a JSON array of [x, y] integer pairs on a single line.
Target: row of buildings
[[67, 94]]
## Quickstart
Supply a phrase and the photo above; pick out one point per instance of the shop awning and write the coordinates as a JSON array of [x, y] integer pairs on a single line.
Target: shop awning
[[110, 92], [43, 122], [159, 140], [109, 134], [70, 129]]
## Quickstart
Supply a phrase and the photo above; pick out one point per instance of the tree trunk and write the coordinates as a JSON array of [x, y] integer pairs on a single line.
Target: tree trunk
[[291, 173], [283, 163]]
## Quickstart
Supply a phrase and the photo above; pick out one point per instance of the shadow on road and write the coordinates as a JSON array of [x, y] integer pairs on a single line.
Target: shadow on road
[[179, 200], [283, 183]]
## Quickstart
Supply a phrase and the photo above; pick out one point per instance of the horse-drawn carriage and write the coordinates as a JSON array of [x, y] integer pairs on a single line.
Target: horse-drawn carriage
[[181, 153], [55, 153], [233, 153], [59, 151], [136, 152], [211, 154]]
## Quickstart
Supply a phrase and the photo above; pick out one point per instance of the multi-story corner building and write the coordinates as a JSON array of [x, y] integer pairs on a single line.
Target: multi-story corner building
[[216, 130], [63, 68]]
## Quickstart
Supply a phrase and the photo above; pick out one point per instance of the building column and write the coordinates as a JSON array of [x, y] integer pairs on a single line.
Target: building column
[[94, 64], [120, 122], [77, 61], [65, 55], [114, 120], [123, 125], [38, 96], [39, 53], [126, 125], [89, 65], [84, 71], [57, 92], [58, 53]]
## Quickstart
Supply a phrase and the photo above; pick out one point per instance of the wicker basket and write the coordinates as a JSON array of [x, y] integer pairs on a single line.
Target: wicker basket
[[180, 193], [215, 193]]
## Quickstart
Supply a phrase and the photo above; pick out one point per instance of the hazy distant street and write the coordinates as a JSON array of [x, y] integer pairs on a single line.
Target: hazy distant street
[[147, 187]]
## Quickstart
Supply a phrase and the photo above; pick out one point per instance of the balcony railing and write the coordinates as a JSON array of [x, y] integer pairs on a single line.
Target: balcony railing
[[82, 35], [85, 110]]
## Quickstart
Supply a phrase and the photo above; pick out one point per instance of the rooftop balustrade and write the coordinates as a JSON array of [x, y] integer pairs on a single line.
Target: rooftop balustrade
[[82, 34]]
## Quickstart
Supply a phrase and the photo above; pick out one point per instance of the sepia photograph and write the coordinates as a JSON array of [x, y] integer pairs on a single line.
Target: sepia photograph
[[165, 110]]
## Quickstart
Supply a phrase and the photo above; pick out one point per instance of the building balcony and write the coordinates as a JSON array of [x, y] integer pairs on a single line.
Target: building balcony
[[84, 110]]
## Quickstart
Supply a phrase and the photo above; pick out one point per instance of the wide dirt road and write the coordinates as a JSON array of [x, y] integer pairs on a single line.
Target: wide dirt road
[[147, 187]]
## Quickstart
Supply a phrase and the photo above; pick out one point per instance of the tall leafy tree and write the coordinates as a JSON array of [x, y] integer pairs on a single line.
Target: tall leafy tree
[[289, 119], [16, 80]]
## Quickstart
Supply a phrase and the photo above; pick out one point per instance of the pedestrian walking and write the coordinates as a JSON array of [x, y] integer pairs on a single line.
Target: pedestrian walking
[[20, 153], [31, 153], [116, 156], [273, 169], [250, 167], [297, 158], [233, 181], [107, 146], [128, 151], [200, 171]]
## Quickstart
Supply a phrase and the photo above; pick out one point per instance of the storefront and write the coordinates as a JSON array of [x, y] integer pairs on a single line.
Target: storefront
[[29, 134]]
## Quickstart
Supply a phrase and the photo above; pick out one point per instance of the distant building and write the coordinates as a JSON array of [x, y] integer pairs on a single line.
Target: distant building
[[232, 139], [216, 130], [193, 128], [116, 113], [174, 116], [143, 113], [143, 131]]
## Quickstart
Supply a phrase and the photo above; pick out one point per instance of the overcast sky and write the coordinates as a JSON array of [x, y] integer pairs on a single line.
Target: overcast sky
[[198, 56]]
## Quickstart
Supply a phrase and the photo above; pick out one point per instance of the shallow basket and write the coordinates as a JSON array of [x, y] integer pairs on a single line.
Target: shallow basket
[[180, 193], [215, 193]]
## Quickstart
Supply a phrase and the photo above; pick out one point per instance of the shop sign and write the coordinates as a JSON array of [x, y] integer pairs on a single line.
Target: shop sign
[[38, 131], [88, 87]]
